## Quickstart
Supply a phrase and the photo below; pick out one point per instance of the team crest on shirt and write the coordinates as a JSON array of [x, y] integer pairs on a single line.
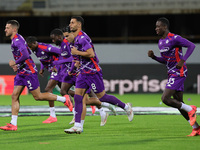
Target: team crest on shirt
[[167, 41], [42, 52], [49, 48]]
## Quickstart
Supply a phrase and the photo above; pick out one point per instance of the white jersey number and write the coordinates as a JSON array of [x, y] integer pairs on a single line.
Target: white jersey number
[[29, 85], [94, 88], [170, 82]]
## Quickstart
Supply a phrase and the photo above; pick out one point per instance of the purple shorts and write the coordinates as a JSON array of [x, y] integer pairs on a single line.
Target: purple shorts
[[69, 79], [31, 81], [90, 81], [65, 77], [175, 83]]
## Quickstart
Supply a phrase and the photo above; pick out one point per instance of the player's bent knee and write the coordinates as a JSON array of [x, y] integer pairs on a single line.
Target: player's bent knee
[[14, 97], [37, 97], [165, 99]]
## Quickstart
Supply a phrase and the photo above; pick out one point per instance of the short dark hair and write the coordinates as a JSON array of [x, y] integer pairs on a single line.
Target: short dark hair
[[14, 23], [31, 39], [66, 29], [165, 21], [79, 19], [56, 32]]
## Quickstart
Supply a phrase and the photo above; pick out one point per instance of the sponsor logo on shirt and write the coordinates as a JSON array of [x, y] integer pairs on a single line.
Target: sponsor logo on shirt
[[65, 53], [165, 49], [42, 57]]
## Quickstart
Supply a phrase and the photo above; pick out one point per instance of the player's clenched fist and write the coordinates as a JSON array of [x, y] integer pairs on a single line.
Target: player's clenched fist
[[151, 53]]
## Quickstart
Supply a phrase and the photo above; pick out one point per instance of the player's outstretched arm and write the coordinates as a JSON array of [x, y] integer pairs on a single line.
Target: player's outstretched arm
[[53, 49], [62, 61], [158, 59], [88, 53]]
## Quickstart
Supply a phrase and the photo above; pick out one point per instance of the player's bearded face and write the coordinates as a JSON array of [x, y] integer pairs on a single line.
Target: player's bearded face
[[55, 39], [32, 46], [58, 42], [73, 29], [73, 25], [8, 30], [70, 37]]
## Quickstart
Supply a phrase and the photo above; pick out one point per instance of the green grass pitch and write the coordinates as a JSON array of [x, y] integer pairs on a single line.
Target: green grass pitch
[[143, 100], [146, 132]]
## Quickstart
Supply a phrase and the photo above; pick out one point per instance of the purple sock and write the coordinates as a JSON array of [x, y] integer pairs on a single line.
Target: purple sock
[[112, 100], [78, 107]]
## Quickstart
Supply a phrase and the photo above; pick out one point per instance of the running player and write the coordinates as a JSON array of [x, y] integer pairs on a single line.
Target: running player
[[65, 31], [93, 100], [170, 46], [47, 54], [90, 76], [26, 74], [69, 80]]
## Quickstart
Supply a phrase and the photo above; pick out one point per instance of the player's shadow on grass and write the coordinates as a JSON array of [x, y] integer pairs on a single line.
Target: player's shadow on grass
[[134, 142], [31, 138]]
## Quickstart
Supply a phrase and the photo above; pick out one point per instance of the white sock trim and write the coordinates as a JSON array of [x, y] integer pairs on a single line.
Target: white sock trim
[[52, 112], [185, 107], [14, 120], [61, 99]]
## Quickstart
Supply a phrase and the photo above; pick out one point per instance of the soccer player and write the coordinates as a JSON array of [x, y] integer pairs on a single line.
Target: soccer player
[[93, 100], [26, 73], [170, 46], [68, 81], [47, 54], [90, 76]]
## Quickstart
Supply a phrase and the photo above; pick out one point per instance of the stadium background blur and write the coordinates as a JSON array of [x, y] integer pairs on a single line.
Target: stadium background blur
[[122, 32]]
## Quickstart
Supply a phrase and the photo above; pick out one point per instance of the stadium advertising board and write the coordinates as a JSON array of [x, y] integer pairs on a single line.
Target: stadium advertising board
[[7, 85], [121, 78], [124, 79], [142, 85]]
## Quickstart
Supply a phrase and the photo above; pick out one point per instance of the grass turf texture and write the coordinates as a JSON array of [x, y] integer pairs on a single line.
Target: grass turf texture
[[146, 132], [143, 100]]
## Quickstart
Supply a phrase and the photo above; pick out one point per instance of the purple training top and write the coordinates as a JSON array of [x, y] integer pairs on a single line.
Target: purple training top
[[21, 53], [88, 65], [47, 54], [65, 58], [171, 53]]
